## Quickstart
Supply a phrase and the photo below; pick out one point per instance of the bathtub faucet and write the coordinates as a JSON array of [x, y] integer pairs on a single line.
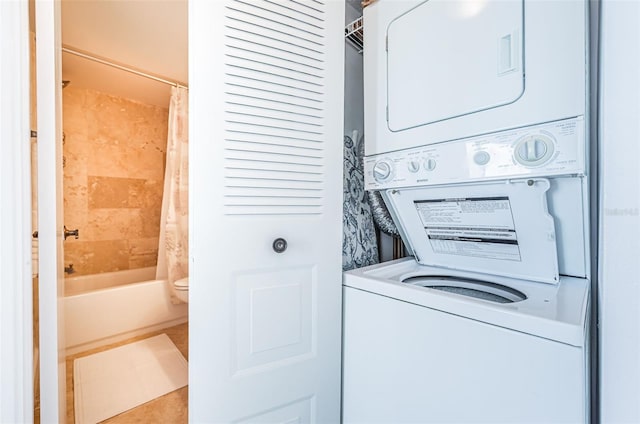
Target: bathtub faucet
[[69, 269], [69, 233]]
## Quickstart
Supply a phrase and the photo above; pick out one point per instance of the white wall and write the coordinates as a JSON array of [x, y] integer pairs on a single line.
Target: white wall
[[16, 338], [353, 91], [619, 250]]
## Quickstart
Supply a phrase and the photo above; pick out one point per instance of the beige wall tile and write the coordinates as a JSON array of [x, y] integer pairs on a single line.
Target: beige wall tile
[[143, 252], [151, 222], [108, 192], [146, 194], [94, 257], [75, 201], [114, 224], [124, 161], [114, 153]]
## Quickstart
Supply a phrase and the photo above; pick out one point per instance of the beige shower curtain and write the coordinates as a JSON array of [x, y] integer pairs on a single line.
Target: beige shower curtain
[[173, 249]]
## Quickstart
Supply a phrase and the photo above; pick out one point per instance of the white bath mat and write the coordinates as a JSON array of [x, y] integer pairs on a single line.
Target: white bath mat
[[116, 380]]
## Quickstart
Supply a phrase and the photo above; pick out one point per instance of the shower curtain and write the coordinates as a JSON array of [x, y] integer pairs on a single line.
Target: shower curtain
[[173, 248]]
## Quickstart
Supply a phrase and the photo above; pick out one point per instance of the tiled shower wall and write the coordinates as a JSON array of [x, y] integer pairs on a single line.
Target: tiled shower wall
[[114, 155]]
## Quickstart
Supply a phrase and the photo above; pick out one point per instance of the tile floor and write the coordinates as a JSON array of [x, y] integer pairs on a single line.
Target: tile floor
[[170, 408]]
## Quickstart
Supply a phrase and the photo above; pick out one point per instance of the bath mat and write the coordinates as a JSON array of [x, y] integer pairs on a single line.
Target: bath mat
[[116, 380]]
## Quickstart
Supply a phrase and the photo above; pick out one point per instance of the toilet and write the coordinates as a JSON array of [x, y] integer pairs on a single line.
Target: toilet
[[181, 289]]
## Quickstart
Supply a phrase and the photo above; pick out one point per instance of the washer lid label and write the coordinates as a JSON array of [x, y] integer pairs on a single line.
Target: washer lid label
[[497, 227], [480, 227]]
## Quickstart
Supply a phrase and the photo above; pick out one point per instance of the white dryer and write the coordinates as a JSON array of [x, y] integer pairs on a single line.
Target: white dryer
[[440, 70]]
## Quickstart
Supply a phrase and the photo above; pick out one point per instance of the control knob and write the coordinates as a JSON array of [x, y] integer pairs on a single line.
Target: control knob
[[481, 158], [534, 150], [382, 170], [430, 164], [413, 166]]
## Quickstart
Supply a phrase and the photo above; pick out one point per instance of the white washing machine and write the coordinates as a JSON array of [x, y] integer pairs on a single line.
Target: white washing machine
[[488, 322], [470, 349]]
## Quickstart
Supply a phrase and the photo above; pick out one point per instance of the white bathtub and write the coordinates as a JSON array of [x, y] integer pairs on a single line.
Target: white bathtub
[[106, 308]]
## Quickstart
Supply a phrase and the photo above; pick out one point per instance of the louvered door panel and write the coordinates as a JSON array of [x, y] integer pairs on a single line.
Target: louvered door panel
[[287, 84], [276, 116], [305, 71], [248, 39], [276, 97], [266, 163], [255, 91], [275, 107], [256, 118]]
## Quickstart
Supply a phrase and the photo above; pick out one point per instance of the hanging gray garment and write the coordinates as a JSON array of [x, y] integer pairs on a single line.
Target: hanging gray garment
[[359, 244]]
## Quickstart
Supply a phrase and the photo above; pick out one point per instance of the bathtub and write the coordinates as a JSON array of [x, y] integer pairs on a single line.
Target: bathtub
[[106, 308]]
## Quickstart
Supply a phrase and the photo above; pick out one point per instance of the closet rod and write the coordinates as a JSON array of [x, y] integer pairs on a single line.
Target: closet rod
[[121, 67]]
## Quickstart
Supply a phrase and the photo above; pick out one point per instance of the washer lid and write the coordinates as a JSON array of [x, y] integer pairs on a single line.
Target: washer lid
[[499, 228]]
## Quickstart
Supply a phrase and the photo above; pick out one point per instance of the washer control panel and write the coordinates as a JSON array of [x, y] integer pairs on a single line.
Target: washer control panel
[[556, 148]]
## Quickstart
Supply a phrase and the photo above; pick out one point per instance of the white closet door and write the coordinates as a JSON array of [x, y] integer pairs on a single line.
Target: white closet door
[[266, 89]]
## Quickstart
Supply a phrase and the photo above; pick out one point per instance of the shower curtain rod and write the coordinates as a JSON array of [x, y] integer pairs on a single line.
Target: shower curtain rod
[[121, 67]]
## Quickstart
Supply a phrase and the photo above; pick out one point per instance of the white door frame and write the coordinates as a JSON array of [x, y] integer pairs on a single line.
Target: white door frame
[[618, 250], [16, 311], [49, 170]]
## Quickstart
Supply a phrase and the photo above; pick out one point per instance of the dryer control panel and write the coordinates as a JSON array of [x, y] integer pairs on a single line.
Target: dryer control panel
[[556, 148]]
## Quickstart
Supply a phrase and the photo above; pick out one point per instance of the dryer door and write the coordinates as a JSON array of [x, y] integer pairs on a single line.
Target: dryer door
[[470, 59]]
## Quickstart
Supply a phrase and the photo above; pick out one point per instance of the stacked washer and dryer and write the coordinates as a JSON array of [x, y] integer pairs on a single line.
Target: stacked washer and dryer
[[476, 115]]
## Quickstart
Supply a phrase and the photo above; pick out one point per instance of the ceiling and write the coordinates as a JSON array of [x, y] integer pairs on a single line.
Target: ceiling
[[147, 35]]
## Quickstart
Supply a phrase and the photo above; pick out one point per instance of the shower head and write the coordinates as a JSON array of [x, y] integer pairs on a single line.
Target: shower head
[[65, 83]]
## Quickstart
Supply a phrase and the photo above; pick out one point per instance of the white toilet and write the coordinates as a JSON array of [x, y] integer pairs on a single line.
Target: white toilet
[[181, 289]]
